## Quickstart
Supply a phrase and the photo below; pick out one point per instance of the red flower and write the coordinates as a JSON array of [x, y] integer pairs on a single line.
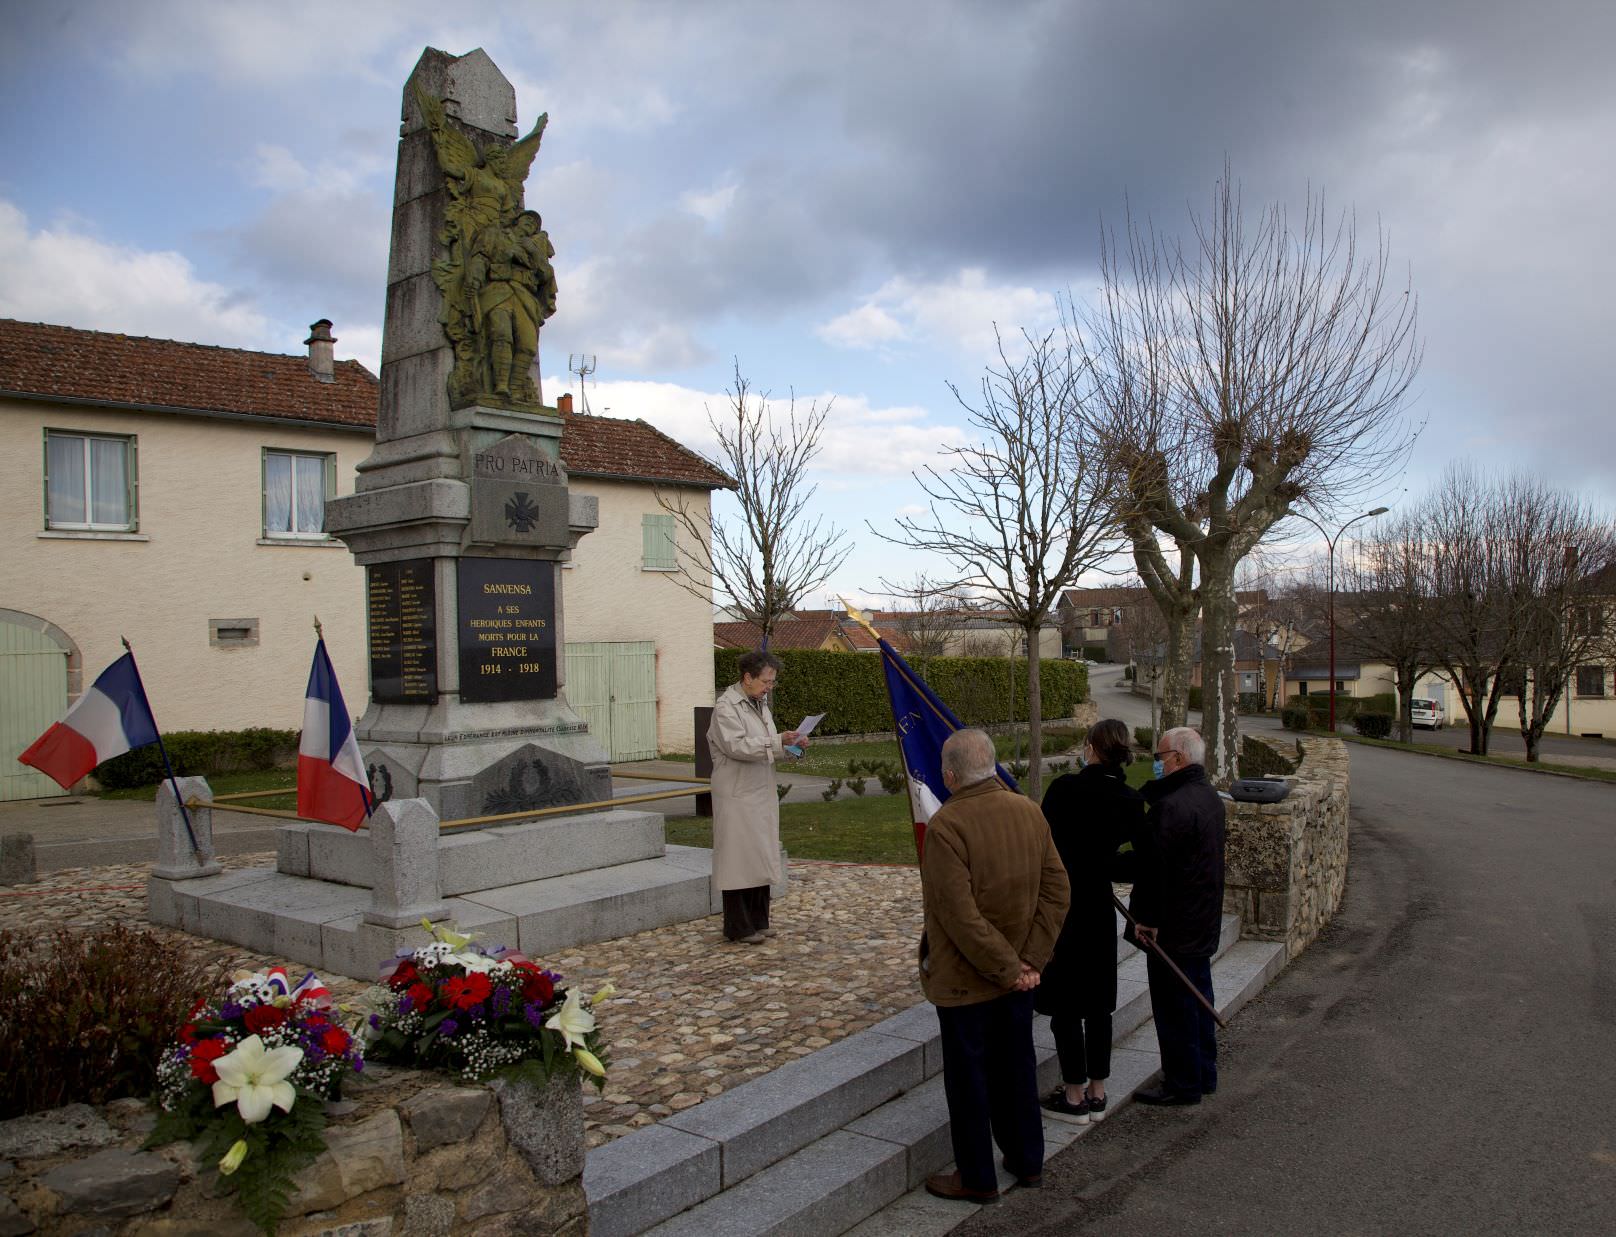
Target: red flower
[[203, 1055], [536, 985], [474, 989], [421, 996], [188, 1033], [404, 976], [264, 1017], [335, 1040]]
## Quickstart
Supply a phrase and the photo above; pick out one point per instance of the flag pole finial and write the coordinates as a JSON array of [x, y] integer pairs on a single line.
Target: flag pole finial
[[859, 617], [124, 640], [319, 632]]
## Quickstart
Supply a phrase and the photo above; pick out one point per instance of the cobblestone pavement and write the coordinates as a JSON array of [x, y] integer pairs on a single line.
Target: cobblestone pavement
[[693, 1016]]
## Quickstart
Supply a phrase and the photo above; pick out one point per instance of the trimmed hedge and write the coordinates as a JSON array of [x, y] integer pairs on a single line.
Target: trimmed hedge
[[851, 691], [199, 753], [1373, 725], [1095, 652]]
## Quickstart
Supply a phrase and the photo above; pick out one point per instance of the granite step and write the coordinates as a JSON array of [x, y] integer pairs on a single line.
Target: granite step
[[698, 1169]]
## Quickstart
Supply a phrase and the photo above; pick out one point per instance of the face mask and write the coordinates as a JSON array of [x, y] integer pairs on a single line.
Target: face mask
[[1083, 759], [1156, 769]]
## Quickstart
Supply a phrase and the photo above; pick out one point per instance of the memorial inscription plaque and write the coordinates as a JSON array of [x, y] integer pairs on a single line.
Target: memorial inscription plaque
[[507, 629], [402, 610]]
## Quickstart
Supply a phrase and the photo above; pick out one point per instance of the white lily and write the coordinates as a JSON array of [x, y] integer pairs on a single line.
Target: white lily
[[572, 1021], [233, 1158], [254, 1078], [589, 1061]]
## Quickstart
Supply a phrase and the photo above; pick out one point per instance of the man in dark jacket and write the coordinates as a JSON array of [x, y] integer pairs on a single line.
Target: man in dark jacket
[[1178, 902], [995, 894]]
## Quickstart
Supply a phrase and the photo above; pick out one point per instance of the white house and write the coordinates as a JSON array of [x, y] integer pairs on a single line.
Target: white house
[[173, 494]]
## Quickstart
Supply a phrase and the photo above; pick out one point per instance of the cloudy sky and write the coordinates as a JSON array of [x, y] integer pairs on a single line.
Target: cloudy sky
[[848, 197]]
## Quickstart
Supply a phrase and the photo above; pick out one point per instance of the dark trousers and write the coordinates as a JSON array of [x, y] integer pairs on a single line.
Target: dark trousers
[[745, 911], [990, 1077], [1083, 1043], [1184, 1030]]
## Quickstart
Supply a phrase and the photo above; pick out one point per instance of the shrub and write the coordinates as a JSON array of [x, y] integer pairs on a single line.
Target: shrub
[[1195, 701], [1373, 725], [1144, 737], [199, 753], [851, 689], [1295, 717], [1250, 702], [831, 789], [1094, 652], [782, 789], [84, 1017], [1257, 759]]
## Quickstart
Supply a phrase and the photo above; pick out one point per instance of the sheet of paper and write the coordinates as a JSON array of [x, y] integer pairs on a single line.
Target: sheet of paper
[[806, 726]]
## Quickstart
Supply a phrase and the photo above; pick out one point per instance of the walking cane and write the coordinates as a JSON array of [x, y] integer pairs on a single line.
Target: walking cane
[[1173, 966]]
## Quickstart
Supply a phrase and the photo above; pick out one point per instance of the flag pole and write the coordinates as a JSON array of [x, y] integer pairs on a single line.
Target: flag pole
[[908, 782], [163, 751], [1173, 966]]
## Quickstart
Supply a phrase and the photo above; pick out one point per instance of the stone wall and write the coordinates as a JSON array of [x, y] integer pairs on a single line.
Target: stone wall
[[1286, 864], [407, 1155]]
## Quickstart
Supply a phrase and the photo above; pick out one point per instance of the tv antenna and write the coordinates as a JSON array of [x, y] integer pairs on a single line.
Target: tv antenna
[[582, 364]]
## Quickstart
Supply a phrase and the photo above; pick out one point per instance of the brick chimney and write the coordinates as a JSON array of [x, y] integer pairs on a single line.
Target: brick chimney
[[322, 347], [564, 404]]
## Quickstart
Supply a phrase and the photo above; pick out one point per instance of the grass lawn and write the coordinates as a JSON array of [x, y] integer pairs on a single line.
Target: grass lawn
[[873, 829], [1508, 762], [229, 784]]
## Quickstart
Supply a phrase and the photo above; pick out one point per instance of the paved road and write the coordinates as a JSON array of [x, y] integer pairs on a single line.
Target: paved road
[[1439, 1061]]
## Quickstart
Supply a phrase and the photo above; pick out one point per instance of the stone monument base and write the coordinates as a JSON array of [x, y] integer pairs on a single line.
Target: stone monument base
[[345, 903]]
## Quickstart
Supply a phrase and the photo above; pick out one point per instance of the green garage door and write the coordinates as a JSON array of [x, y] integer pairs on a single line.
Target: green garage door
[[612, 685], [33, 694]]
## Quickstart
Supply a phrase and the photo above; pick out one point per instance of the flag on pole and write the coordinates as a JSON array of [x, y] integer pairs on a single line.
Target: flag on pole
[[923, 722], [331, 781], [112, 718]]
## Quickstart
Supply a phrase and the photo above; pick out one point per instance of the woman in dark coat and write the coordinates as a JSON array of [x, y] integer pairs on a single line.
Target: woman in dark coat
[[1091, 813]]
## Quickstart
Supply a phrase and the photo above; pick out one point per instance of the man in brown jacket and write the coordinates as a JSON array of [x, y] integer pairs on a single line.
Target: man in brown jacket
[[996, 893]]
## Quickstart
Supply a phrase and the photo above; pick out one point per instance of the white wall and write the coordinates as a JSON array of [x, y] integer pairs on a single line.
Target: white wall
[[609, 595], [196, 556]]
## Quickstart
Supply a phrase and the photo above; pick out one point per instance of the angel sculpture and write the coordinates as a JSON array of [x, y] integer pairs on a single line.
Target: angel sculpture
[[496, 294]]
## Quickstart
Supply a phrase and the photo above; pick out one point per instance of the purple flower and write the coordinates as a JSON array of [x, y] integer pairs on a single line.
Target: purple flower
[[230, 1011], [501, 1002], [376, 1021], [448, 1027], [476, 1013], [534, 1013]]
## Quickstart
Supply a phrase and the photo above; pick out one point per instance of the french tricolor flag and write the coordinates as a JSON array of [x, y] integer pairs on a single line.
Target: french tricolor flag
[[110, 719], [331, 781]]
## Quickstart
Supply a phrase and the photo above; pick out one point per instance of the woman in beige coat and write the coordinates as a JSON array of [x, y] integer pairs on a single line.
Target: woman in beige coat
[[746, 809]]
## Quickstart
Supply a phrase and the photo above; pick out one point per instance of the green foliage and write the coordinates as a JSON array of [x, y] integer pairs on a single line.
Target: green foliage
[[278, 1148], [1094, 652], [782, 789], [851, 690], [200, 753], [1257, 759], [1373, 725], [831, 791], [1295, 717], [84, 1016], [1144, 737], [1129, 672], [1251, 702]]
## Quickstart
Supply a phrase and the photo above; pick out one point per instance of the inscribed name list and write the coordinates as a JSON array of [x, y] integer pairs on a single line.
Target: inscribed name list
[[507, 629], [401, 608]]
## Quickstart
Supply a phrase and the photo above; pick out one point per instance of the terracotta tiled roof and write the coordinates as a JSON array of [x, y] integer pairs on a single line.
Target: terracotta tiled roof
[[64, 363], [61, 362], [809, 633], [614, 447]]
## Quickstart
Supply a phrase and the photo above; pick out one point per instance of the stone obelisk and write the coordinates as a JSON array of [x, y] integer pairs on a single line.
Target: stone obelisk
[[462, 515]]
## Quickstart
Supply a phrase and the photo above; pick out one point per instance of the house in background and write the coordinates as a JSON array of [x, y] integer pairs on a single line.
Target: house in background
[[174, 493], [961, 633]]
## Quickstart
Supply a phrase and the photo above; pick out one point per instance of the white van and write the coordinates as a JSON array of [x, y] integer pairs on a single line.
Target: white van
[[1426, 712]]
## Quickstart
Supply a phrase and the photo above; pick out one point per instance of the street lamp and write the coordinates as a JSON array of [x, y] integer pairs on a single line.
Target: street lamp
[[1330, 594]]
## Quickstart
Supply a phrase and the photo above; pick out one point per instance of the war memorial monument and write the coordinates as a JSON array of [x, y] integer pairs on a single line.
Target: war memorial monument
[[461, 518]]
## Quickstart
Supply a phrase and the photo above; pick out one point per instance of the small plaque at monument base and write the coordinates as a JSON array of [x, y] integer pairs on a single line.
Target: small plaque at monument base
[[507, 629], [401, 603]]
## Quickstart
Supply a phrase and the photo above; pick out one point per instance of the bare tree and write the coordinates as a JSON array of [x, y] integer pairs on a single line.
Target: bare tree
[[1559, 560], [1472, 621], [770, 556], [1022, 513], [1385, 606], [928, 615], [1261, 367]]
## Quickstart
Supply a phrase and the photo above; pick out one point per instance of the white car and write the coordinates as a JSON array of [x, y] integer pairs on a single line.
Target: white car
[[1427, 713]]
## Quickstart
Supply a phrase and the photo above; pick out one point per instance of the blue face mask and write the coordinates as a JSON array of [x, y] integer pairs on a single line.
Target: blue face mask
[[1082, 759], [1156, 770]]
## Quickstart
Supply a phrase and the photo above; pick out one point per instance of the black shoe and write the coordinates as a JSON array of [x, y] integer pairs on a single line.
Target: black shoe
[[1095, 1107], [1161, 1097], [1056, 1101], [1033, 1182]]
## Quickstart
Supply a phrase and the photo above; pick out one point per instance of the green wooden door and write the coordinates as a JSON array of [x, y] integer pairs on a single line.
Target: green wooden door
[[33, 695], [612, 686]]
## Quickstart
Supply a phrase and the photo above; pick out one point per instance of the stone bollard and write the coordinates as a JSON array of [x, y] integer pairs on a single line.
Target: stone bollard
[[404, 855], [177, 859], [17, 865]]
